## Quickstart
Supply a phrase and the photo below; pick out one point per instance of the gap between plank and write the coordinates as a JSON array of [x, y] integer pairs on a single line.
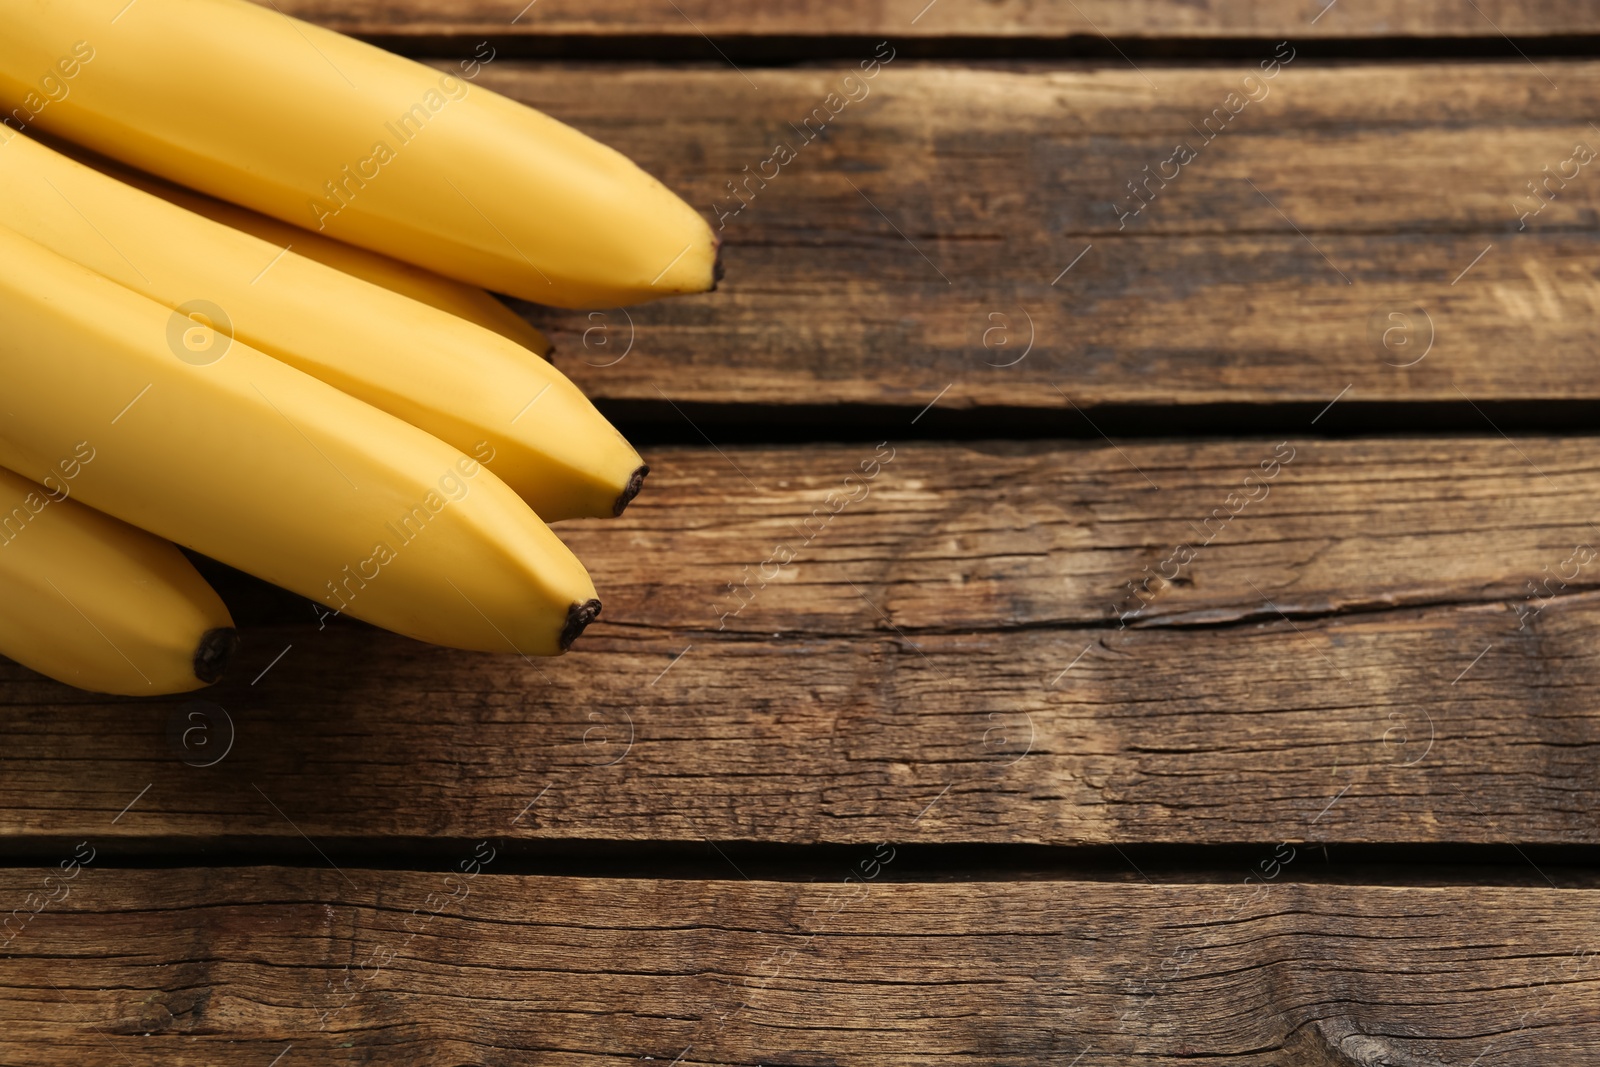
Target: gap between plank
[[1506, 863], [778, 50]]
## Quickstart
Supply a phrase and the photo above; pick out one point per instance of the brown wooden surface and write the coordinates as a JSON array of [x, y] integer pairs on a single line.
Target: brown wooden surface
[[919, 245], [1371, 666], [239, 966], [1360, 640], [918, 18]]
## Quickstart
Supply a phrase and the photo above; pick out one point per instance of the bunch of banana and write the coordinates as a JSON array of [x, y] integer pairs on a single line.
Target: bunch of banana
[[243, 288]]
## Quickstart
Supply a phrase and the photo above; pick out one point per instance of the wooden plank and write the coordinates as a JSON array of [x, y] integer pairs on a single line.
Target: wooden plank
[[918, 246], [1007, 536], [919, 19], [1356, 656], [182, 967]]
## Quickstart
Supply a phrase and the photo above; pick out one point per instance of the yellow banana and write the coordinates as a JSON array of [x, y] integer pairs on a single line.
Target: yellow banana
[[463, 301], [328, 133], [269, 470], [95, 603], [465, 385]]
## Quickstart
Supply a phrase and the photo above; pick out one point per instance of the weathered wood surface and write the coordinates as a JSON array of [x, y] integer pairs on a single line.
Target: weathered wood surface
[[1000, 536], [236, 966], [1355, 656], [917, 245], [943, 18]]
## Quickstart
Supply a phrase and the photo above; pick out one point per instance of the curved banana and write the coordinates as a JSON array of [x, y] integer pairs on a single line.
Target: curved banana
[[227, 451], [95, 603], [330, 134], [465, 385], [450, 296]]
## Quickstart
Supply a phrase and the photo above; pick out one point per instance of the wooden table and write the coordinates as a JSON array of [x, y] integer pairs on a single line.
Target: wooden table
[[1080, 613]]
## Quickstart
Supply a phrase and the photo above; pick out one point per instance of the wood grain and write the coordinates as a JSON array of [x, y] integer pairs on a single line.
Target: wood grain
[[185, 967], [1356, 657], [917, 18], [917, 246], [1383, 641]]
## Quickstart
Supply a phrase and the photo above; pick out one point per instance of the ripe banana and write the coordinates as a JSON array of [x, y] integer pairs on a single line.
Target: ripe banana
[[328, 133], [95, 603], [465, 385], [256, 464], [453, 297]]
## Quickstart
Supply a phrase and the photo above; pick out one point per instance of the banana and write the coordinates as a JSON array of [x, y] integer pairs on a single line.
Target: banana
[[464, 384], [263, 467], [328, 133], [452, 297], [95, 603], [463, 301]]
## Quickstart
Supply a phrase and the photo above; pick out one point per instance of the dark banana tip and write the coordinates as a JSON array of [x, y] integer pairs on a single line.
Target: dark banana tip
[[216, 651], [716, 266], [635, 483], [579, 616]]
